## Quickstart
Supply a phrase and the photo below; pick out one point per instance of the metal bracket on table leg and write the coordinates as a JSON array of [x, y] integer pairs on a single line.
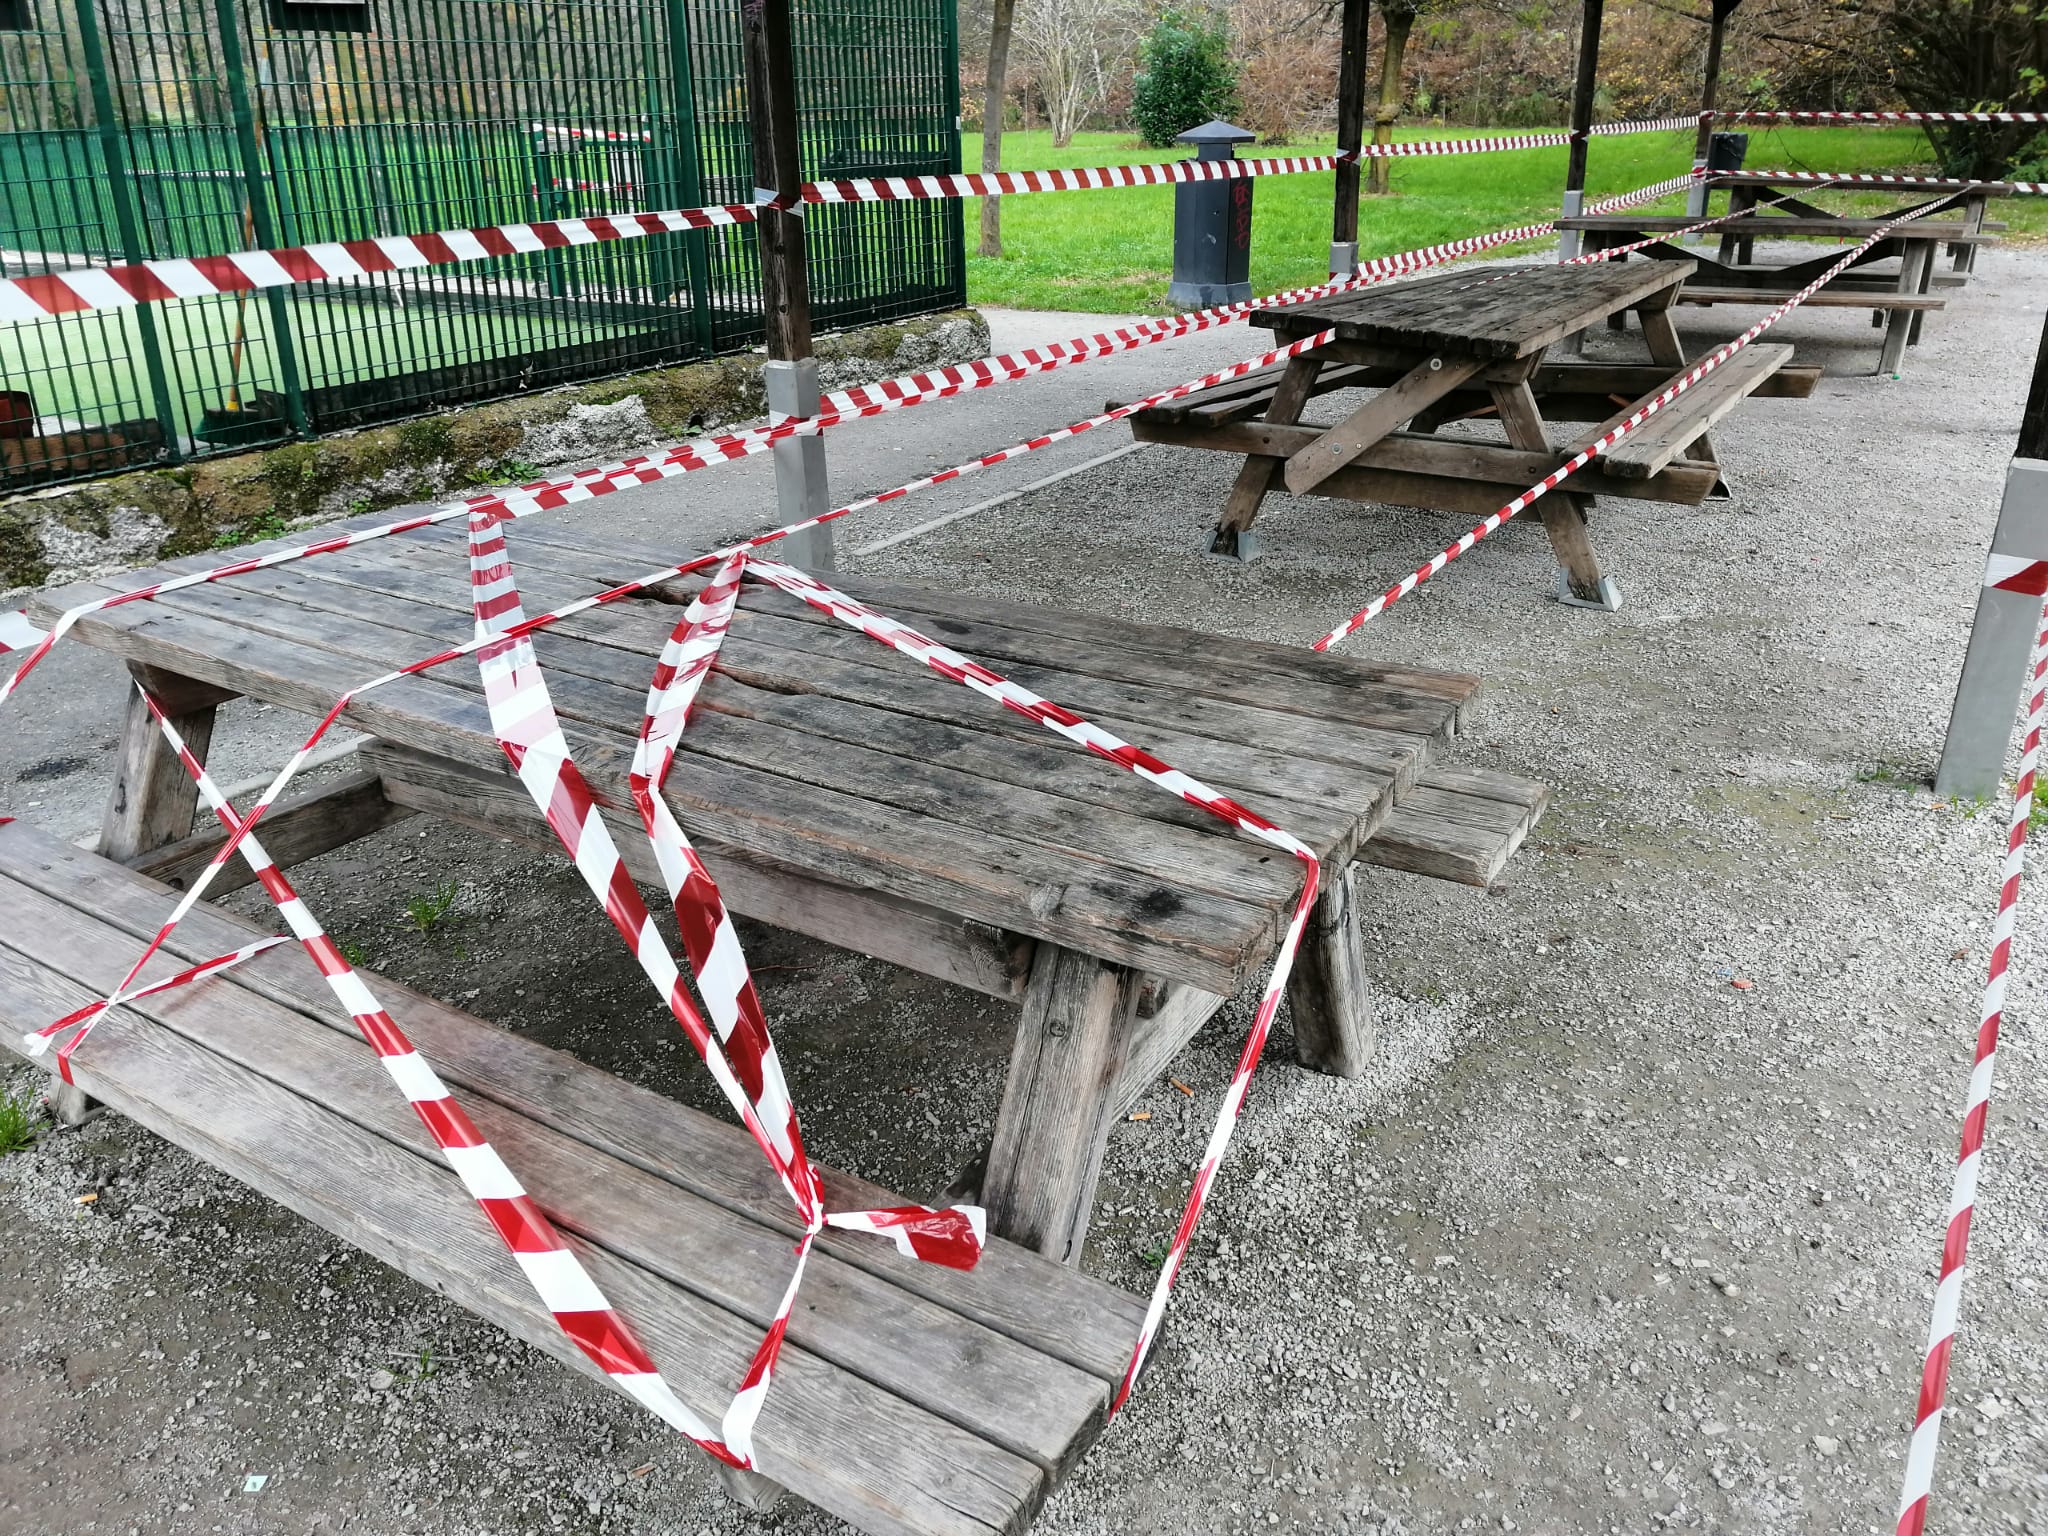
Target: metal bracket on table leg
[[1608, 599], [1240, 546]]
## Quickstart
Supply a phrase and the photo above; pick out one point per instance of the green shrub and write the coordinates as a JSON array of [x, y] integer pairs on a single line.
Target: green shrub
[[1185, 76]]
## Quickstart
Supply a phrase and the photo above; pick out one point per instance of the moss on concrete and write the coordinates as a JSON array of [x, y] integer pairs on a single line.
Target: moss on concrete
[[68, 532]]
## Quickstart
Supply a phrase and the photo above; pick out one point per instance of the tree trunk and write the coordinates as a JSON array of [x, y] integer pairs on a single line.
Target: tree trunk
[[992, 121], [1397, 24]]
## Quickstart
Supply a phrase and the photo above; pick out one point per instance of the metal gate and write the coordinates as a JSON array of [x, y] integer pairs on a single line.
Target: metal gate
[[148, 128]]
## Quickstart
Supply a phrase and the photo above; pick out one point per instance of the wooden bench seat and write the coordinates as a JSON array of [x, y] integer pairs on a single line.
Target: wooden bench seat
[[911, 1398], [1664, 438], [1834, 296], [1460, 824]]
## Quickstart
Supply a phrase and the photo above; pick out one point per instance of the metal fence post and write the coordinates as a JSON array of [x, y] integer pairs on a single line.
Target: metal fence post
[[258, 186], [689, 171], [121, 190]]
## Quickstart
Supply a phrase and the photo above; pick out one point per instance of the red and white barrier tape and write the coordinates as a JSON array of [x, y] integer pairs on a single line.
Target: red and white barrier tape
[[1645, 125], [598, 135], [17, 633], [1880, 179], [1054, 717], [1955, 1246], [40, 295], [557, 1276], [2017, 573], [1608, 439], [701, 453], [82, 1020], [1875, 117]]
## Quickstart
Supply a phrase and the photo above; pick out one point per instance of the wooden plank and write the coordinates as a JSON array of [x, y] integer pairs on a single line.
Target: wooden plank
[[1829, 297], [875, 1460], [1209, 942], [1195, 858], [1254, 479], [1563, 513], [1073, 1035], [1330, 991], [1462, 825], [1196, 648], [294, 830], [1073, 1318], [970, 1376], [1666, 435], [1765, 226], [1515, 314], [153, 799], [1440, 456], [1337, 446], [935, 943], [1328, 820]]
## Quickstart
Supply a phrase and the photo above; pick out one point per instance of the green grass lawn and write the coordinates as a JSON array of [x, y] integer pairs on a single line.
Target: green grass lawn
[[1111, 252]]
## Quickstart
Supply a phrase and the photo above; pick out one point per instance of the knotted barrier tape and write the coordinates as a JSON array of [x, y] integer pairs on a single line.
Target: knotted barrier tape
[[1615, 434], [38, 296], [1955, 1246]]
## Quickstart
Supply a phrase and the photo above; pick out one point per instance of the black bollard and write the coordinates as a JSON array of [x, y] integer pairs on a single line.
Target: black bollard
[[1212, 225]]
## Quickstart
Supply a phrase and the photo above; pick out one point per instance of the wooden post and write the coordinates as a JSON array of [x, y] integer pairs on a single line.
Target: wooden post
[[153, 799], [1710, 77], [1350, 135], [1330, 992], [1582, 120], [1073, 1035], [791, 373]]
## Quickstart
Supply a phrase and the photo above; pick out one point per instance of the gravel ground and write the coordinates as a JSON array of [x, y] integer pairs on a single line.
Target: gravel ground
[[1603, 1242]]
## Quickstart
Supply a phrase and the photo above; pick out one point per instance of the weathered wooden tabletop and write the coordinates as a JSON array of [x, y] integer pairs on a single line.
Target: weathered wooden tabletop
[[820, 749], [1503, 313]]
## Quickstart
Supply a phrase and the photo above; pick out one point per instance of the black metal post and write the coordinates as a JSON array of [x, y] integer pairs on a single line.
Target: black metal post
[[1350, 135], [791, 373]]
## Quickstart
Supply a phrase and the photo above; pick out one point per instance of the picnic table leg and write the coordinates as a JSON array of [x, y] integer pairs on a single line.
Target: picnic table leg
[[1740, 199], [1963, 255], [1329, 993], [1660, 335], [1059, 1100], [1899, 328], [1926, 283], [1233, 538], [749, 1490], [153, 799], [1579, 579]]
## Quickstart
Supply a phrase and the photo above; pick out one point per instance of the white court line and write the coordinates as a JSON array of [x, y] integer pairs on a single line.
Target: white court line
[[994, 501]]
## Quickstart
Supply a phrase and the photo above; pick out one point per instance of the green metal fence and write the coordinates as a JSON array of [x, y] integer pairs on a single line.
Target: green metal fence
[[147, 128]]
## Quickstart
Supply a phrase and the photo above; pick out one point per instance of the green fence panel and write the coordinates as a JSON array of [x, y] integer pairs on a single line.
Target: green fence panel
[[434, 114]]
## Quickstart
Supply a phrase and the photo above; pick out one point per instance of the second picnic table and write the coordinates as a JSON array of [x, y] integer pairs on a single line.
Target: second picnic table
[[1899, 296], [1471, 344]]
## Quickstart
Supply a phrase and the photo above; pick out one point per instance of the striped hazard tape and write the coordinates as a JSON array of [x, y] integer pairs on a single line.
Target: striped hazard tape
[[1747, 116], [1962, 1205], [1881, 179], [2016, 573], [17, 633], [38, 296]]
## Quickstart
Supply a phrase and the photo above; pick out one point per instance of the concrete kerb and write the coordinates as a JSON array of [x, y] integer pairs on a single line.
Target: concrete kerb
[[72, 532]]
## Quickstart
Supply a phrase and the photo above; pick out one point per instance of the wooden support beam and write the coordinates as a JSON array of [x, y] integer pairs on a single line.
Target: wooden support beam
[[1710, 76], [772, 125], [298, 829], [1423, 385], [1073, 1038], [1330, 991]]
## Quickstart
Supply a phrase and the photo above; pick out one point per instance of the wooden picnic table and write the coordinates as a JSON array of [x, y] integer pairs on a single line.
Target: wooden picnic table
[[841, 790], [1466, 344], [1892, 279]]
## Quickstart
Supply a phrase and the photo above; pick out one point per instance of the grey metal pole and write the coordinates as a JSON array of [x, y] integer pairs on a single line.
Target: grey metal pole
[[2008, 612]]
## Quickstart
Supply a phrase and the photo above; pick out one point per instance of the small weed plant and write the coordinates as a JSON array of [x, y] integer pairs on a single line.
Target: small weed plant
[[18, 1116], [427, 913]]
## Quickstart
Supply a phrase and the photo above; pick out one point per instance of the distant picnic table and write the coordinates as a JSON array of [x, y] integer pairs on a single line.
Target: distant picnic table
[[1893, 279], [1463, 345]]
